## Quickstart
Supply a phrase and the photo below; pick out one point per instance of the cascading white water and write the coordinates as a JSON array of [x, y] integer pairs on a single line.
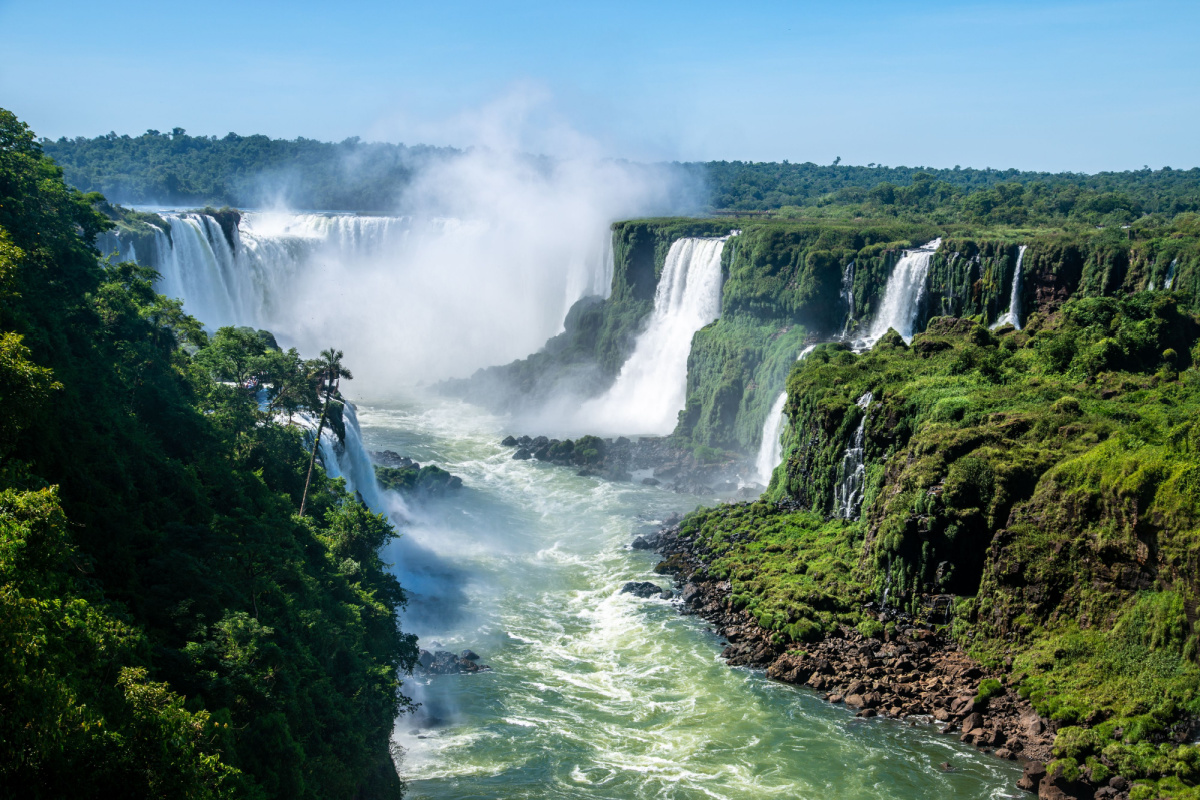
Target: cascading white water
[[770, 449], [1013, 315], [847, 495], [649, 392], [411, 298], [902, 297], [848, 298], [1170, 281]]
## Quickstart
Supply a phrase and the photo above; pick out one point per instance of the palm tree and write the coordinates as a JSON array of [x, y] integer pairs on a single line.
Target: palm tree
[[330, 373]]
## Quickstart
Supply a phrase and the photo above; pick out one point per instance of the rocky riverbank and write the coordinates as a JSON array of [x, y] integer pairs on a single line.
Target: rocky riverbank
[[911, 670], [650, 460]]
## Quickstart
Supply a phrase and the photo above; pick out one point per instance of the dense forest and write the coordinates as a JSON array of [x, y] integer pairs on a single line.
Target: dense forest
[[177, 168], [173, 623]]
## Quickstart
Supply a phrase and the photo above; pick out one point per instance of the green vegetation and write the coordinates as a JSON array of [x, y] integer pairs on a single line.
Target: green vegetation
[[175, 168], [981, 197], [426, 481], [1048, 477], [172, 626]]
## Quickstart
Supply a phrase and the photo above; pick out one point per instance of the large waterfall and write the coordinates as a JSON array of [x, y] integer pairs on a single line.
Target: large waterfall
[[1013, 315], [847, 495], [650, 389], [770, 449], [410, 299], [902, 297]]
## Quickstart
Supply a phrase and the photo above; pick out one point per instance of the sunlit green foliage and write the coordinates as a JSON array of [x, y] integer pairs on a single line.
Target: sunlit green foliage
[[171, 626]]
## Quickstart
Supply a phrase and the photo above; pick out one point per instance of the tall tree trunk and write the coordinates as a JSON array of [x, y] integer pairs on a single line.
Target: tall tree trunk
[[313, 458]]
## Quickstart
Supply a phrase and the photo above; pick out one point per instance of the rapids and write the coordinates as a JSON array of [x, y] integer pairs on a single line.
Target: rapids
[[593, 693]]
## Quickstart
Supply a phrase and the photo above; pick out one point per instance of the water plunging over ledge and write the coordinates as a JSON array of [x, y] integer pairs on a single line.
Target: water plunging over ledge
[[902, 297], [847, 495], [1013, 315]]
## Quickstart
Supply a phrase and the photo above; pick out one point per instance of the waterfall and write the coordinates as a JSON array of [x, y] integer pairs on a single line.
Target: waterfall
[[1170, 281], [848, 298], [847, 495], [902, 297], [650, 389], [770, 449], [1013, 315], [459, 294]]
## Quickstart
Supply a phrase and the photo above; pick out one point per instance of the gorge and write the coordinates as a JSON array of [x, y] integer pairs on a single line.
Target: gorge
[[961, 456]]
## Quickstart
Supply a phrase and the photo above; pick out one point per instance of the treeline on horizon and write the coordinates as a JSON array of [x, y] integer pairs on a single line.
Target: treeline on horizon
[[352, 175]]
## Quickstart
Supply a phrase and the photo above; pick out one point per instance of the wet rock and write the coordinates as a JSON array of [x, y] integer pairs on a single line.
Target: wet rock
[[509, 441], [1055, 786], [469, 655], [1005, 753], [642, 589], [522, 454], [1031, 778], [642, 543], [946, 766], [443, 662]]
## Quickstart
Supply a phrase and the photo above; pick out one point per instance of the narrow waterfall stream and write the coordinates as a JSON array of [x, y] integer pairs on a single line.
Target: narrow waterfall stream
[[847, 495], [1013, 315], [770, 449]]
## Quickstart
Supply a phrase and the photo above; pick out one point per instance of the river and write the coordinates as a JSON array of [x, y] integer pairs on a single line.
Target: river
[[593, 693]]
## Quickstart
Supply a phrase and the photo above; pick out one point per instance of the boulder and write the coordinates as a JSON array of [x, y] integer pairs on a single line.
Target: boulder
[[522, 454], [972, 721], [469, 655], [642, 589], [1031, 778], [509, 441]]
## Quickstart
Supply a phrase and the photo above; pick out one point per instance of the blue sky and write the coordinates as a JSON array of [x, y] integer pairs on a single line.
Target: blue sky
[[1036, 85]]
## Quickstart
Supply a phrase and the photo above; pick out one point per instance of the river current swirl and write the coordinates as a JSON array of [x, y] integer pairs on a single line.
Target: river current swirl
[[594, 693]]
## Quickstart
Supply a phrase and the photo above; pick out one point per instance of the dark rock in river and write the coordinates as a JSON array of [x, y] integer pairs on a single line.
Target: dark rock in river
[[443, 662], [642, 589], [522, 455], [509, 441], [645, 543], [469, 655], [390, 458]]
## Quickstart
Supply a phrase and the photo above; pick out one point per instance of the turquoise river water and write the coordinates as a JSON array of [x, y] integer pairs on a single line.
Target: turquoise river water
[[592, 693]]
